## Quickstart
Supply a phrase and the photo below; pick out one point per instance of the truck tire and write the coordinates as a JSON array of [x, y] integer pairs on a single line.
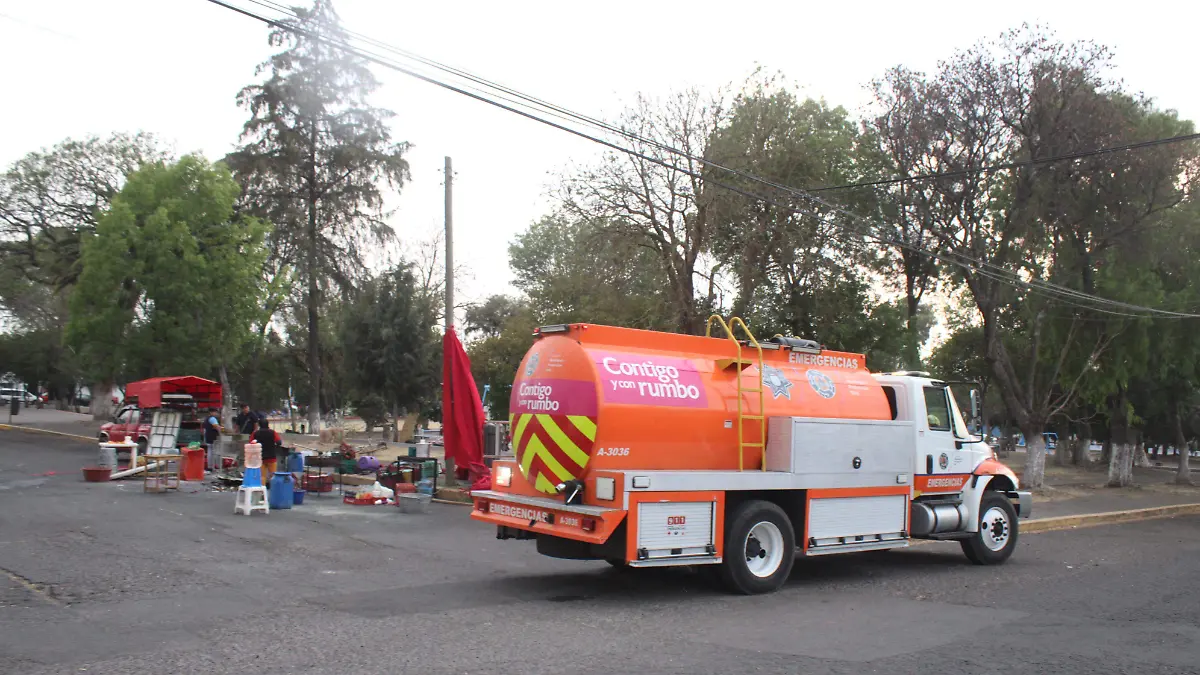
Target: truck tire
[[997, 536], [760, 548]]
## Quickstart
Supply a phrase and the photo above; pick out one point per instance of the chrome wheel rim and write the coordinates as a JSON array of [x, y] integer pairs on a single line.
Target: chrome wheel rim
[[995, 528], [764, 549]]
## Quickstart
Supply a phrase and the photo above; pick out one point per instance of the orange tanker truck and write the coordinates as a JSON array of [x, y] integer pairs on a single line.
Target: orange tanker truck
[[654, 449]]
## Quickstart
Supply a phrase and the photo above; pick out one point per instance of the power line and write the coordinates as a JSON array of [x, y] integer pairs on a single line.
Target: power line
[[997, 273], [563, 113], [993, 168]]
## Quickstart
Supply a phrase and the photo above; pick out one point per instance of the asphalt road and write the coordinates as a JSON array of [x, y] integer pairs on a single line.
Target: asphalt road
[[101, 578]]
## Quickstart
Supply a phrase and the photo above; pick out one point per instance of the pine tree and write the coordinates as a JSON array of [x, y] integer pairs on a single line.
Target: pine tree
[[315, 153]]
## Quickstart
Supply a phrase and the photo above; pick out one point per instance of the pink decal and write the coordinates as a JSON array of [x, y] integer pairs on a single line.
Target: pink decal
[[649, 380], [553, 397]]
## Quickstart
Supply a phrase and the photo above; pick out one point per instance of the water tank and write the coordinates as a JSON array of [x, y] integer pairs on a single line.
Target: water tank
[[616, 398]]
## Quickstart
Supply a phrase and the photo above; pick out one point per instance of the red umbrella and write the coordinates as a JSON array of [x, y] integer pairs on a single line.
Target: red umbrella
[[462, 412]]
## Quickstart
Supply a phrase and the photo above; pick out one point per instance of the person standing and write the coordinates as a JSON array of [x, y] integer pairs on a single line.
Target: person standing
[[265, 437], [212, 437], [246, 422]]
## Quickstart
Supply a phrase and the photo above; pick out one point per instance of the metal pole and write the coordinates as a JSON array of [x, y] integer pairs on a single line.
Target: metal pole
[[449, 461], [449, 246]]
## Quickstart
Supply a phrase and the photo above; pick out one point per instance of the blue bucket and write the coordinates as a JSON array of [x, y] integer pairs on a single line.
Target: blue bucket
[[277, 493], [298, 497], [252, 478]]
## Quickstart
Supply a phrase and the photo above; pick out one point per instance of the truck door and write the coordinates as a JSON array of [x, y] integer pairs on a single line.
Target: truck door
[[941, 465]]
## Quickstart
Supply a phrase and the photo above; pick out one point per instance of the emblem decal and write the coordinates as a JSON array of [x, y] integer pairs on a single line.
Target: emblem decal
[[822, 384], [944, 460], [777, 382], [533, 364]]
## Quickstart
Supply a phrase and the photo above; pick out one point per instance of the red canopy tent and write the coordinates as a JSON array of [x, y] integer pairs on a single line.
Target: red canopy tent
[[462, 411], [148, 393]]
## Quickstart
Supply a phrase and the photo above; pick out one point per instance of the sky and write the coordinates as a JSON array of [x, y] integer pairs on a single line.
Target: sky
[[174, 67]]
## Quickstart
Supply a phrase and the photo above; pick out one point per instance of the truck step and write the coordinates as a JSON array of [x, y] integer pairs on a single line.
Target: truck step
[[948, 536], [677, 561], [830, 549]]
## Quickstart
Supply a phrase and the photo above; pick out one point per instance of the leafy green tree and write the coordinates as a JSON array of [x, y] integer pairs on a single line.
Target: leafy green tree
[[389, 344], [496, 357], [50, 200], [488, 318], [171, 279], [1032, 96], [771, 134], [314, 156], [576, 270]]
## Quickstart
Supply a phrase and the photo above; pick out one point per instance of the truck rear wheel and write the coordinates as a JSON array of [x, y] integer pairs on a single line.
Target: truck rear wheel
[[760, 548], [997, 536]]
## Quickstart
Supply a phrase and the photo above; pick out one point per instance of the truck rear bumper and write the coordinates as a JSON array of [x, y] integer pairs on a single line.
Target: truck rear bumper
[[1023, 500], [591, 524]]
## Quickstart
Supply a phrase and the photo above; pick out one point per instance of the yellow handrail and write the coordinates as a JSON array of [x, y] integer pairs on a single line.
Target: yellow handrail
[[735, 322]]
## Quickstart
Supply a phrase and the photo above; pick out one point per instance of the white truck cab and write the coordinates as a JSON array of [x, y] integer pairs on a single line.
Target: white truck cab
[[960, 490]]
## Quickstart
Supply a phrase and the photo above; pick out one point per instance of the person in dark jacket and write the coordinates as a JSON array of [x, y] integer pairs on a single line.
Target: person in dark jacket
[[265, 436], [212, 434], [246, 421]]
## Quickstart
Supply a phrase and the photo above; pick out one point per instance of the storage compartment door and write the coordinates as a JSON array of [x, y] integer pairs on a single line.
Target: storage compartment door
[[856, 522], [675, 529]]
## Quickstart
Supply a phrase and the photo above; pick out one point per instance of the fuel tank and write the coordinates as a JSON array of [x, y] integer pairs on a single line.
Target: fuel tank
[[593, 397]]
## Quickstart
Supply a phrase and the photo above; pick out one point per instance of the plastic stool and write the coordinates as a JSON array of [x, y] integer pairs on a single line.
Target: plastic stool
[[251, 499]]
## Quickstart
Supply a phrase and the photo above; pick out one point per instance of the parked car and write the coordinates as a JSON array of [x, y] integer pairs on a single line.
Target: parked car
[[127, 425], [7, 395]]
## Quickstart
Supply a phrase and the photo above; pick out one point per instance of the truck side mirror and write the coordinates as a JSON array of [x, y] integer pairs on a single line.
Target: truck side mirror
[[975, 416]]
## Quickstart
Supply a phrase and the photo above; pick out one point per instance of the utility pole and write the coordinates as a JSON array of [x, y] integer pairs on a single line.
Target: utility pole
[[449, 461], [449, 246]]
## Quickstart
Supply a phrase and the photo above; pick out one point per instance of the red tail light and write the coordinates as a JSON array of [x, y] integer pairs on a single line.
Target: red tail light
[[481, 505], [588, 525]]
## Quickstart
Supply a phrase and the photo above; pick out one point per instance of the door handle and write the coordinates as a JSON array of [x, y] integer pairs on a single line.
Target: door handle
[[928, 463]]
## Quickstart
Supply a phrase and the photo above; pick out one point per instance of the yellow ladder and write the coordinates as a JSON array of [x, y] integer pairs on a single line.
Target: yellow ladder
[[741, 364]]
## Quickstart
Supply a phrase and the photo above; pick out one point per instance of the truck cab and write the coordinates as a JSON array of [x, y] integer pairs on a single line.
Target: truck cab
[[944, 446]]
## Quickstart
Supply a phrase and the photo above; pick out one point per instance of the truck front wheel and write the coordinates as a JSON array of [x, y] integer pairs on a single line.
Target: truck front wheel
[[997, 535], [760, 548]]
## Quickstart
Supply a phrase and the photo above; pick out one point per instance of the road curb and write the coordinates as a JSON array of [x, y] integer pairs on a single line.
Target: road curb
[[1106, 518], [18, 427]]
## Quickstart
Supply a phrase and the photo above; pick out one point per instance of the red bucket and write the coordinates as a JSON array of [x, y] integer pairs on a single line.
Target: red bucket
[[97, 474], [192, 466]]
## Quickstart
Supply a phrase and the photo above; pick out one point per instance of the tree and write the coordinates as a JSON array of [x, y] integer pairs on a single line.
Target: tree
[[170, 280], [1029, 96], [661, 204], [495, 358], [389, 346], [574, 269], [772, 135], [489, 318], [51, 198], [314, 155], [894, 141]]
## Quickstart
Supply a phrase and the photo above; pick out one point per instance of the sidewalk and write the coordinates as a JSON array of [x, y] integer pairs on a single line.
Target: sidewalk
[[60, 421], [1106, 500]]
